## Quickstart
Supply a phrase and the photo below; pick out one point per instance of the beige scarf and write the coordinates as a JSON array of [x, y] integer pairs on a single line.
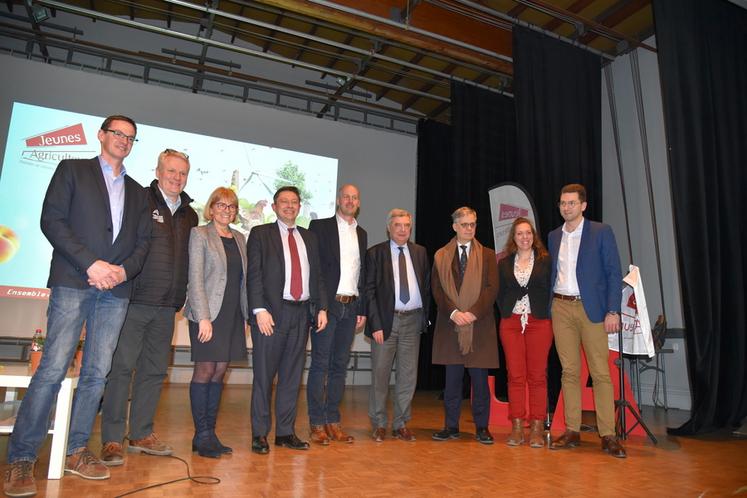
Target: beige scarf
[[469, 292]]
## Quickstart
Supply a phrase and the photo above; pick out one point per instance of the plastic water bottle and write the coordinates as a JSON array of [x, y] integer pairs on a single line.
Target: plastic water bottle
[[37, 341]]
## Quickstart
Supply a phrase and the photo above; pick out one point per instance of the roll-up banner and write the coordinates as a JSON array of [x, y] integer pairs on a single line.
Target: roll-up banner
[[509, 201]]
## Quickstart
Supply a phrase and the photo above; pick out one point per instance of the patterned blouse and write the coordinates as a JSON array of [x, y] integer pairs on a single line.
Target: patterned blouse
[[522, 306]]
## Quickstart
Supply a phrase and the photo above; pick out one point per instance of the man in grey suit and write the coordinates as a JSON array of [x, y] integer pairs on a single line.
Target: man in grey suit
[[342, 244], [285, 291], [97, 220], [398, 297]]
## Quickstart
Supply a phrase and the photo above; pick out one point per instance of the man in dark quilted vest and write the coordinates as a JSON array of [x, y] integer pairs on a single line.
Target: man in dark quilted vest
[[145, 341]]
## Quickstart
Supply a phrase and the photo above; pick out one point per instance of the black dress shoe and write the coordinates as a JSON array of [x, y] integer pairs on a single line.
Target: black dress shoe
[[291, 441], [446, 434], [260, 446], [483, 436]]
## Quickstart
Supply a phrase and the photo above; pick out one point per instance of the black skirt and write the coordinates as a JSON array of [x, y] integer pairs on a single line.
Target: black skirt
[[229, 341]]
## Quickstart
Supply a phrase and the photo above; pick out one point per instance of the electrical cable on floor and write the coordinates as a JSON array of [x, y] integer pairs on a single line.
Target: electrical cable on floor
[[197, 479]]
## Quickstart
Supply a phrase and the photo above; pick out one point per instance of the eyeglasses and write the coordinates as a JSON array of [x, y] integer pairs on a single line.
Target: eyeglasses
[[222, 206], [172, 152], [570, 204], [119, 134], [468, 225]]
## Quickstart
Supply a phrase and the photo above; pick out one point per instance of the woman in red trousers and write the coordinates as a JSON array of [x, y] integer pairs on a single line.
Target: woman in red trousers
[[525, 330]]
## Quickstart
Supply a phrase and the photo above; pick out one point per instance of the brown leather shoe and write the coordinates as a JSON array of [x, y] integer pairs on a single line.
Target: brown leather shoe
[[536, 434], [379, 435], [569, 439], [318, 435], [516, 438], [83, 463], [335, 433], [150, 445], [19, 479], [112, 454], [612, 445], [404, 434]]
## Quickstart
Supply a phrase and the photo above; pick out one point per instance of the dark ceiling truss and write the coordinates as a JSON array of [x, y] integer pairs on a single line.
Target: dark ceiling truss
[[581, 25], [223, 45], [273, 32], [206, 24], [349, 84], [353, 34], [396, 56], [245, 87], [325, 41], [396, 79]]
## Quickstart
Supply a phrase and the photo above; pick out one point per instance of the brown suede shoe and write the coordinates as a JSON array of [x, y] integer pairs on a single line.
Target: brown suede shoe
[[150, 445], [112, 454], [569, 439], [318, 435], [83, 463], [19, 479], [379, 435], [612, 445], [404, 434], [335, 433]]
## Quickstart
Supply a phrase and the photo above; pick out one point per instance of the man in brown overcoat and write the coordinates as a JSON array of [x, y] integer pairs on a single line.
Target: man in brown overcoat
[[464, 283]]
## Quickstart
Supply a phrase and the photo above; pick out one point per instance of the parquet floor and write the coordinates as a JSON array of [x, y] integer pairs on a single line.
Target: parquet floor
[[705, 466]]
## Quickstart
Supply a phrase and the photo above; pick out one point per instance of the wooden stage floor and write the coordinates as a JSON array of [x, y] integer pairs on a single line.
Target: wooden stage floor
[[714, 465]]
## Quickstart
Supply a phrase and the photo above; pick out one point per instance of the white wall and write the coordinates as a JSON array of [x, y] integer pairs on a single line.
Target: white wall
[[639, 207], [382, 164]]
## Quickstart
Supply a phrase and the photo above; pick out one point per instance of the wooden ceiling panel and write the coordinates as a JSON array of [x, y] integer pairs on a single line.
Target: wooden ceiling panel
[[400, 54]]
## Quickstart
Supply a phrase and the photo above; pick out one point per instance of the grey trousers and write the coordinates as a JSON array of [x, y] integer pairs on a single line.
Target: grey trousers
[[144, 346], [402, 346]]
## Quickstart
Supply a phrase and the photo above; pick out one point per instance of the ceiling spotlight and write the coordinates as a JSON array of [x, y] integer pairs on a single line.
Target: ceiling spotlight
[[39, 12], [342, 80]]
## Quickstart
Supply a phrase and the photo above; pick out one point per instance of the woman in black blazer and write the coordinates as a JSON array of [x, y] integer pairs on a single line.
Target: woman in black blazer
[[525, 330]]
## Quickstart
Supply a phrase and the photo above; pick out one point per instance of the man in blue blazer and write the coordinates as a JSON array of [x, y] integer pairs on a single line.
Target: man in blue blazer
[[97, 220], [587, 289], [342, 251], [286, 292]]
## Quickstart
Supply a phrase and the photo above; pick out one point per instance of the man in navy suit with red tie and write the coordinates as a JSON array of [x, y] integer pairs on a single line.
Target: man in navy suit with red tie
[[285, 291]]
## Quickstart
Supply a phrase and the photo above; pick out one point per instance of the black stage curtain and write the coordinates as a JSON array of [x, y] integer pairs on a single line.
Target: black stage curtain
[[558, 93], [433, 192], [557, 90], [457, 165], [701, 47]]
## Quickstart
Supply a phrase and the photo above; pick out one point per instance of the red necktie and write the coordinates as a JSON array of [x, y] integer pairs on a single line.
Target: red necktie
[[296, 281]]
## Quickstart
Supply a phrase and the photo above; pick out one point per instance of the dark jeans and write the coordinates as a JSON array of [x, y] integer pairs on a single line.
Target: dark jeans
[[144, 346], [330, 354]]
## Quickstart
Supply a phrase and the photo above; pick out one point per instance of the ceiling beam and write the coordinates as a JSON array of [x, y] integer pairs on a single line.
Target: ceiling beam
[[575, 7], [222, 45], [377, 23], [589, 24], [616, 14]]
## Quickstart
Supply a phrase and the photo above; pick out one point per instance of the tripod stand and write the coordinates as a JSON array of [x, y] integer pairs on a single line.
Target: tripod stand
[[622, 404]]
